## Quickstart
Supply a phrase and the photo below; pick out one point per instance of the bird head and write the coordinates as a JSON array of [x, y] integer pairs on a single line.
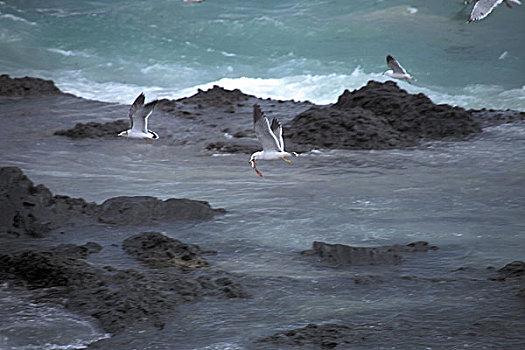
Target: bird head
[[123, 133]]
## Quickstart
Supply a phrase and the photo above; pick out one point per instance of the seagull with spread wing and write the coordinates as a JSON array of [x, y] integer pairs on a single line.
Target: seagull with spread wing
[[138, 116], [271, 139], [483, 8], [396, 71]]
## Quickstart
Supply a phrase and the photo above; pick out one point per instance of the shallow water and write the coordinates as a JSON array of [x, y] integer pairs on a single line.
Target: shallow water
[[465, 197]]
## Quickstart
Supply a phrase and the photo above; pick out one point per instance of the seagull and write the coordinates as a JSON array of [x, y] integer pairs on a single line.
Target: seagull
[[483, 8], [138, 116], [396, 71], [271, 139]]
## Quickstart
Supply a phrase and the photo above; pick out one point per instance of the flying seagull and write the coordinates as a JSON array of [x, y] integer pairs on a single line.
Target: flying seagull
[[271, 139], [138, 116], [396, 71], [483, 8]]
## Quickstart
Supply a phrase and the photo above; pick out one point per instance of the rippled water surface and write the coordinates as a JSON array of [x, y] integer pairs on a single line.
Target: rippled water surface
[[465, 197]]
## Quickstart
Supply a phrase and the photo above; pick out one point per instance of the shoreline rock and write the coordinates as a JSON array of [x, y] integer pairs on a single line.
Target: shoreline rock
[[379, 116], [117, 298], [341, 254], [27, 86], [34, 210]]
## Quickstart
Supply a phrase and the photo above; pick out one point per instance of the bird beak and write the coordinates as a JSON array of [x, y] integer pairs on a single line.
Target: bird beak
[[252, 163]]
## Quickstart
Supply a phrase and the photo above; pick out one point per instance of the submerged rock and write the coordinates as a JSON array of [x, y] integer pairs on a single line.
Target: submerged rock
[[95, 130], [158, 250], [26, 86], [380, 116], [341, 254], [327, 336], [33, 210]]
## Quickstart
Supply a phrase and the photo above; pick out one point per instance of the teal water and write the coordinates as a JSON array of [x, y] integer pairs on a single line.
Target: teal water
[[303, 50]]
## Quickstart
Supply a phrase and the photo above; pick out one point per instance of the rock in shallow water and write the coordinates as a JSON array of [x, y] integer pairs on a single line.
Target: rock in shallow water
[[379, 116], [341, 254], [35, 211]]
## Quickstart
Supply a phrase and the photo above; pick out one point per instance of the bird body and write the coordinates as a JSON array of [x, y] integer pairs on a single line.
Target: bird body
[[271, 139], [396, 71], [138, 116]]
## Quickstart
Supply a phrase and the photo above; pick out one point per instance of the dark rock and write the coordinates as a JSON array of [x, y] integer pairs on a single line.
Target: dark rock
[[158, 250], [340, 254], [491, 117], [217, 96], [245, 146], [33, 210], [26, 86], [327, 336], [420, 246], [379, 116], [95, 130], [144, 209], [514, 270]]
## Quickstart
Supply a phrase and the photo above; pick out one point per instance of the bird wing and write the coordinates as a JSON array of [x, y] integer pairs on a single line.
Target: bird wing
[[139, 114], [394, 65], [482, 9], [137, 104], [263, 132], [277, 130]]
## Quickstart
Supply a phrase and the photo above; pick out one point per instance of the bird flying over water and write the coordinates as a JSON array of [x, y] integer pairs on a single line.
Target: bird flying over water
[[396, 71], [138, 116], [483, 8], [271, 139]]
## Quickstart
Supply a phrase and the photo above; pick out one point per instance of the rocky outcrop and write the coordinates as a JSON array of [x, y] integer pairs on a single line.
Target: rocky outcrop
[[379, 116], [119, 298], [340, 254], [95, 130], [145, 209], [26, 86], [35, 211], [157, 250]]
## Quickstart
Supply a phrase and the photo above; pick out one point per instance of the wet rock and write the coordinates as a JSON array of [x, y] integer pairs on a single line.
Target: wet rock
[[33, 210], [513, 270], [216, 97], [492, 117], [340, 254], [144, 209], [26, 86], [379, 116], [246, 146], [158, 250], [95, 130], [327, 336], [116, 298]]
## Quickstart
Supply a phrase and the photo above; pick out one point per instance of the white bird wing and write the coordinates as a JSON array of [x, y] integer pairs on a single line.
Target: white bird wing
[[139, 114], [263, 132], [482, 9], [137, 104], [394, 65], [277, 130]]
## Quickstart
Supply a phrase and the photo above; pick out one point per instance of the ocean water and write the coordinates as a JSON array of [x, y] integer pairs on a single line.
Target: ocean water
[[291, 49], [465, 197]]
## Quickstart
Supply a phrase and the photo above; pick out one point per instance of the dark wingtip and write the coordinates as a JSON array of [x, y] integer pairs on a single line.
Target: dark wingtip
[[257, 113]]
